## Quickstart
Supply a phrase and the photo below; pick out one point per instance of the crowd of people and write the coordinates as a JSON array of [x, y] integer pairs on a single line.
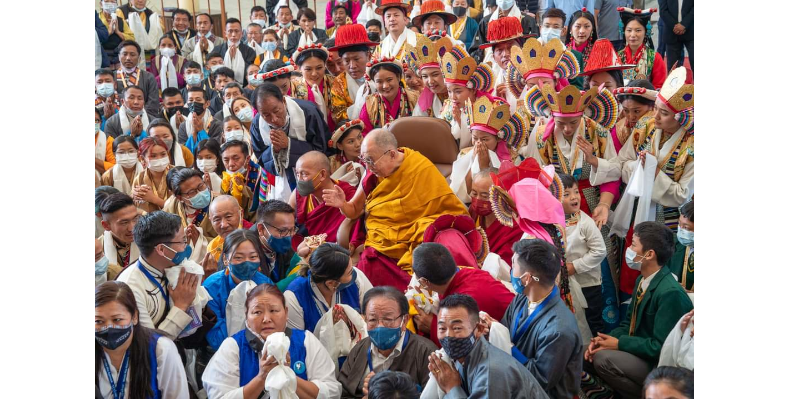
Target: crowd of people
[[265, 227]]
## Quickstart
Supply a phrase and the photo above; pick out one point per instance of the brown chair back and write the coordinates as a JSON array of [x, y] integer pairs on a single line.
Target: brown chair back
[[429, 136]]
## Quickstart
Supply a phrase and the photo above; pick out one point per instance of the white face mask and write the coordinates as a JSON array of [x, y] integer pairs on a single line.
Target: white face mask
[[237, 134], [260, 22], [242, 170], [126, 160], [167, 51], [550, 33], [630, 257], [505, 5], [207, 165], [110, 8], [159, 164], [245, 114]]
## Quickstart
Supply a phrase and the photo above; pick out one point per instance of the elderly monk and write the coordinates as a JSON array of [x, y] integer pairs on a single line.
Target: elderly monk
[[226, 217], [401, 195], [499, 236], [313, 173]]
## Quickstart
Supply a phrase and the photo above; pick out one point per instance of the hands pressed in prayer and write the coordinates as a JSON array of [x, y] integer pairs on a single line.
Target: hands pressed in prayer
[[483, 155], [183, 294], [600, 215], [339, 315], [689, 317], [334, 197], [423, 321], [207, 179], [145, 193], [588, 151], [232, 51], [267, 363], [643, 157], [108, 106], [203, 43], [136, 126], [446, 376], [197, 124], [179, 118], [365, 389], [238, 179], [279, 139], [209, 265], [192, 233]]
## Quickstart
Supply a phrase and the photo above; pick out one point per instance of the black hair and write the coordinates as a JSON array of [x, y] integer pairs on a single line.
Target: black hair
[[214, 55], [392, 385], [644, 83], [126, 43], [311, 53], [616, 75], [656, 237], [329, 43], [164, 123], [268, 89], [170, 92], [102, 193], [211, 145], [555, 13], [103, 71], [207, 15], [574, 18], [174, 43], [155, 228], [257, 8], [128, 88], [114, 203], [679, 378], [233, 21], [345, 133], [466, 301], [98, 113], [538, 257], [374, 22], [196, 89], [232, 85], [389, 292], [191, 64], [235, 143], [224, 71], [272, 65], [567, 181], [396, 69], [182, 11], [687, 210], [177, 175], [308, 13], [354, 49], [327, 262], [239, 236], [433, 262], [122, 139], [254, 25], [267, 210]]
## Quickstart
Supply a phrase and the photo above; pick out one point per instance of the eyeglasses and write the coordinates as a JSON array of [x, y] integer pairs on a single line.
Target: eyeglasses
[[367, 160], [387, 322], [283, 232], [201, 187], [185, 242]]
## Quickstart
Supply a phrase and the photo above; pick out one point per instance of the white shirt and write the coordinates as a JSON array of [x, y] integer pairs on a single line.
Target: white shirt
[[221, 377], [586, 250], [381, 363], [646, 281], [680, 6], [151, 302], [296, 320], [170, 373]]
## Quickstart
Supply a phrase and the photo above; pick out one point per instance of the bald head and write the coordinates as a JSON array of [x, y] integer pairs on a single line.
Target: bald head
[[314, 161], [481, 183], [225, 214], [379, 149], [381, 139]]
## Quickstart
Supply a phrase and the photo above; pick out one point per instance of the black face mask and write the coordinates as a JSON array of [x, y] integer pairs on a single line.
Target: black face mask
[[460, 11], [197, 108], [374, 36], [112, 337], [174, 110]]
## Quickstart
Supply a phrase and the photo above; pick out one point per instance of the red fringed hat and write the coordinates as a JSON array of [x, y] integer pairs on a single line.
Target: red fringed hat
[[502, 30], [433, 7], [510, 174], [404, 5], [603, 58], [351, 35], [464, 225]]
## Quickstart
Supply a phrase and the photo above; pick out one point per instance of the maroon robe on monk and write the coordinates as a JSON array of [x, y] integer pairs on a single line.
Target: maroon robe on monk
[[501, 238], [322, 219], [492, 296]]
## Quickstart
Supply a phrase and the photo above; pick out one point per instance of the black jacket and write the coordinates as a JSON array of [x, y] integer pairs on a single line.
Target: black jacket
[[669, 13], [294, 39], [248, 54], [271, 9]]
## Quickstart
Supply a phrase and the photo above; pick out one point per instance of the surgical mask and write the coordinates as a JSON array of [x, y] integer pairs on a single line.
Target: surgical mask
[[201, 200], [480, 207], [244, 270], [207, 165], [460, 11], [214, 68], [180, 256], [229, 102], [158, 165], [192, 79], [96, 127], [137, 9], [240, 171], [550, 33], [255, 81], [385, 338], [245, 114], [630, 256], [105, 89], [260, 22], [505, 4], [101, 266], [126, 160], [167, 51], [208, 34], [135, 113], [685, 237], [374, 36], [234, 135], [286, 25], [112, 337], [305, 188], [457, 348], [110, 8], [343, 286], [269, 46]]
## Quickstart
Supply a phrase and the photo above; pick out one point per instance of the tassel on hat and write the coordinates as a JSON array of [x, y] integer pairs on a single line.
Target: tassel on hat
[[504, 28], [602, 55], [431, 6]]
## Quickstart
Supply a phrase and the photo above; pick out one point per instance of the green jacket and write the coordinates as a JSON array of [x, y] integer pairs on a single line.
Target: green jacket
[[676, 264], [662, 305], [578, 81]]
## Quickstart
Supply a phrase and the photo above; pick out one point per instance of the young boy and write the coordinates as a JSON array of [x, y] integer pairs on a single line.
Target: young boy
[[585, 252], [682, 262]]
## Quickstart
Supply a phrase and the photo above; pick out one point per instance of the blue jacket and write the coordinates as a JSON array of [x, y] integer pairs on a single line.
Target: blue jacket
[[219, 286]]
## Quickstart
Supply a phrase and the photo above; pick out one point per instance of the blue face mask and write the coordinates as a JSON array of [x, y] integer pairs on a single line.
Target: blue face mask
[[201, 200], [280, 245], [505, 4], [101, 266], [179, 257], [193, 79], [269, 46], [105, 89], [244, 271], [517, 284], [208, 34], [686, 237], [385, 338], [343, 286]]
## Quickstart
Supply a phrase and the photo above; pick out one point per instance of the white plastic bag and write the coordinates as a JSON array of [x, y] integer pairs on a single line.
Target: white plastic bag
[[281, 382], [235, 311], [432, 389], [336, 337]]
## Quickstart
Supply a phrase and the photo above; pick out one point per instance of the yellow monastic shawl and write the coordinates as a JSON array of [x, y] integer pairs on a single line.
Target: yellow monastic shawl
[[403, 204], [215, 247]]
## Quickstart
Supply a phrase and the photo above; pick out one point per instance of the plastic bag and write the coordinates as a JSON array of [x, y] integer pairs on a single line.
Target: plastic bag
[[281, 382], [235, 311], [336, 338]]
